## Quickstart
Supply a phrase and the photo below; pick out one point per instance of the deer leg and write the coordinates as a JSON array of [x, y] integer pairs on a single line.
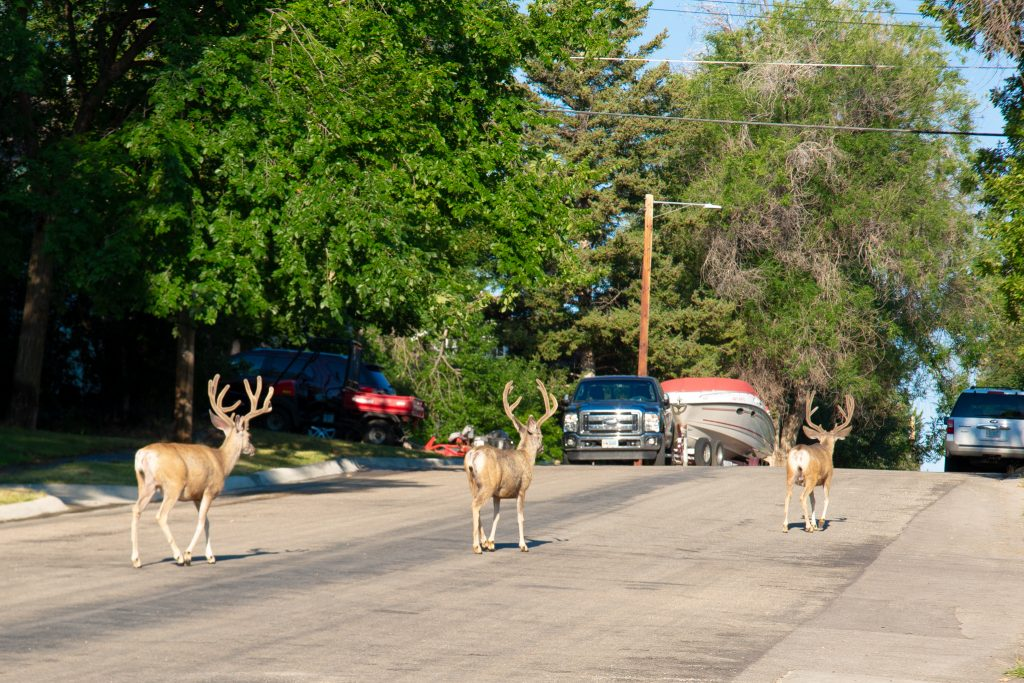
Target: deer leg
[[478, 530], [814, 520], [494, 524], [807, 513], [170, 498], [520, 509], [146, 491], [789, 494], [827, 486], [202, 524]]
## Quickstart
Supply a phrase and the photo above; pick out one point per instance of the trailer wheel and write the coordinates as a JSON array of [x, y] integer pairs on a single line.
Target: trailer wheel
[[717, 454], [702, 453]]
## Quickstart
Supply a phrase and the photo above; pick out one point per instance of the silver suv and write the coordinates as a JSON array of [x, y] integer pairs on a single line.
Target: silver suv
[[985, 429]]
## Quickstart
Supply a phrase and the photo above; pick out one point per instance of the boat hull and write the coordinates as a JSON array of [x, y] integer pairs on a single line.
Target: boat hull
[[726, 413]]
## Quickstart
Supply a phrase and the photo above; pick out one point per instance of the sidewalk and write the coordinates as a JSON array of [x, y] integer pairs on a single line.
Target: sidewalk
[[66, 497]]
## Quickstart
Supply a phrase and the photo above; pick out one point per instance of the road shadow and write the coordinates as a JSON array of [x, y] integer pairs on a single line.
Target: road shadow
[[201, 559], [530, 544], [335, 485], [799, 525]]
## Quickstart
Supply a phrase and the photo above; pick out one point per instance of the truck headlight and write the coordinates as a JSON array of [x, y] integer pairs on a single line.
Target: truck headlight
[[652, 422], [572, 421]]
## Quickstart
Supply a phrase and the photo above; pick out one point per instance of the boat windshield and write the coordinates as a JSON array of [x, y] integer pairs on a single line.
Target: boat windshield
[[616, 390]]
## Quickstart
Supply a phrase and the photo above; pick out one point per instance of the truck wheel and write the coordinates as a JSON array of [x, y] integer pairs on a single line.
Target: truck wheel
[[717, 454], [659, 459], [279, 422], [702, 452], [377, 432]]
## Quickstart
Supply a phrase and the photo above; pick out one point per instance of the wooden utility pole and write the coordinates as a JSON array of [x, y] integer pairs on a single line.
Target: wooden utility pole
[[645, 273], [645, 283]]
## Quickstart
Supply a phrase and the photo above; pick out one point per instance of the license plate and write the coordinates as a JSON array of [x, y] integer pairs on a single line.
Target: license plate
[[609, 443], [993, 434]]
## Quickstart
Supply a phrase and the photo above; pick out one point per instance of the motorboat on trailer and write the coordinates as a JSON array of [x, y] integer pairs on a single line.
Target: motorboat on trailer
[[719, 419]]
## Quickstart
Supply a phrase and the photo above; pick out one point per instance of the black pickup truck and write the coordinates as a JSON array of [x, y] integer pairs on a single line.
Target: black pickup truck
[[617, 417]]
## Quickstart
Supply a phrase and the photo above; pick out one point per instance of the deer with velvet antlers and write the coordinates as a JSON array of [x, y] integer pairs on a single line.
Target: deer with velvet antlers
[[811, 465], [193, 471], [499, 473]]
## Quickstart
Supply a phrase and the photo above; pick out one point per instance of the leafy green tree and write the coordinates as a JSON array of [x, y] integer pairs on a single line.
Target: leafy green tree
[[991, 354], [342, 166], [72, 75], [845, 254], [461, 380]]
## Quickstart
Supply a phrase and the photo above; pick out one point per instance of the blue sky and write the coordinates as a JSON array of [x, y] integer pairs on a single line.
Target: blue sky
[[685, 41]]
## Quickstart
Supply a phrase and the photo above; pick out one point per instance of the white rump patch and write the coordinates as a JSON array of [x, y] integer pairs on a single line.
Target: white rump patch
[[799, 459]]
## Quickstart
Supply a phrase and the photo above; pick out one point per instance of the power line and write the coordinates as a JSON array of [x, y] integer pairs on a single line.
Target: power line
[[807, 19], [788, 5], [775, 124], [721, 62]]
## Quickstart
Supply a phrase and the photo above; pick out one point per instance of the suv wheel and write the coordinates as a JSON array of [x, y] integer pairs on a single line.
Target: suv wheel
[[955, 463], [377, 432]]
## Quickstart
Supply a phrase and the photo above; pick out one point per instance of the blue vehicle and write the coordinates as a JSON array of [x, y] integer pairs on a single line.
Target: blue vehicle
[[613, 418]]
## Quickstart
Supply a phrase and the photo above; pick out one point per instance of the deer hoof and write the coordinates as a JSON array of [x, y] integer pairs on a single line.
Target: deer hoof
[[188, 559], [524, 548], [477, 550], [490, 546], [136, 562], [211, 559], [785, 528]]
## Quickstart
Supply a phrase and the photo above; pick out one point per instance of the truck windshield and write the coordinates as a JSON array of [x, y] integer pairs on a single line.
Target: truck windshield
[[618, 390]]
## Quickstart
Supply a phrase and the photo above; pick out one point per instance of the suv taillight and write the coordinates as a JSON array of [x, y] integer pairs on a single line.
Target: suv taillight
[[949, 425], [285, 388]]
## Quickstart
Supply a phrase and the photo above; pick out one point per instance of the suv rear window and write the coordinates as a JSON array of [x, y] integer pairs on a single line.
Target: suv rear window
[[991, 405]]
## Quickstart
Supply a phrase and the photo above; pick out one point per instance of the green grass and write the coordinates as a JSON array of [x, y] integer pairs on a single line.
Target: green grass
[[37, 457], [23, 448], [1017, 671], [18, 495]]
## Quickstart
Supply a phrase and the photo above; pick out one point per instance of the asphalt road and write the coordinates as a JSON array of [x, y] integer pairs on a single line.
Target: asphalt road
[[633, 574]]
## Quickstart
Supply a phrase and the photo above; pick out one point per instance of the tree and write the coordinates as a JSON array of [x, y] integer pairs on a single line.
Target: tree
[[993, 357], [844, 253], [71, 75], [344, 166]]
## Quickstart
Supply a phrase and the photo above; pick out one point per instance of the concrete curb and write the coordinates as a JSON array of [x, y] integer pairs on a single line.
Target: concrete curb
[[64, 497]]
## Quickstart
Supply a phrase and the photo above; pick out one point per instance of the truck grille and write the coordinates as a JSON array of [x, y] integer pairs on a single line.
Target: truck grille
[[627, 422]]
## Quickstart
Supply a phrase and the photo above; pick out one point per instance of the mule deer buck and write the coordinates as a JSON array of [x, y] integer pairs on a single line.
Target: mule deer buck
[[193, 471], [811, 465], [503, 473]]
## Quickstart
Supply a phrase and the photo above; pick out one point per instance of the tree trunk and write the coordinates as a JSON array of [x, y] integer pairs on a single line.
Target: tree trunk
[[28, 364], [184, 378], [790, 426], [587, 365]]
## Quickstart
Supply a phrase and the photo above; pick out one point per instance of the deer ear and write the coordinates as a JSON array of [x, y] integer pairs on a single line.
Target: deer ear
[[812, 433], [220, 423]]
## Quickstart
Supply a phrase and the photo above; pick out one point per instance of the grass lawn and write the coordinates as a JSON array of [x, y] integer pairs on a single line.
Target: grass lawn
[[18, 495], [38, 457]]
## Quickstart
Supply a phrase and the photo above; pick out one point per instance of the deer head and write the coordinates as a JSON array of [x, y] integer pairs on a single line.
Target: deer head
[[530, 437], [237, 425], [828, 437]]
